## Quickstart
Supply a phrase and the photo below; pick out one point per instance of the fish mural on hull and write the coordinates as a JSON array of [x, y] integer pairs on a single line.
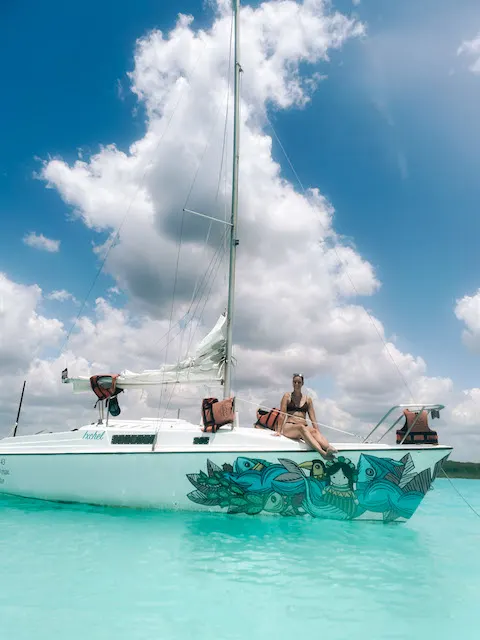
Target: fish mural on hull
[[335, 489]]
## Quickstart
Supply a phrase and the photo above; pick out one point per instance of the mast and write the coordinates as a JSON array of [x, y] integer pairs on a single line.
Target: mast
[[233, 218]]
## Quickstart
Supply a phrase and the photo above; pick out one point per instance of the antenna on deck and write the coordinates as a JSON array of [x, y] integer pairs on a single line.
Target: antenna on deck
[[19, 409]]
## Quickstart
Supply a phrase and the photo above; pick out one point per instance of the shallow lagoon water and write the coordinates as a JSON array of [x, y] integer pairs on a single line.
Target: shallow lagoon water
[[75, 572]]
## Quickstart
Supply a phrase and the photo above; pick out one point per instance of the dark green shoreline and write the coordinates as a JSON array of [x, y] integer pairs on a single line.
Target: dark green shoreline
[[461, 469]]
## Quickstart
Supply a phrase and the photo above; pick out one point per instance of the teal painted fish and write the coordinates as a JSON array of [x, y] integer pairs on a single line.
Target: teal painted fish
[[242, 464], [390, 487]]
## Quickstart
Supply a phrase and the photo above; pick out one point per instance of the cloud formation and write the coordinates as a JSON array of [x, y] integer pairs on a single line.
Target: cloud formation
[[467, 310], [39, 241], [61, 296], [471, 49]]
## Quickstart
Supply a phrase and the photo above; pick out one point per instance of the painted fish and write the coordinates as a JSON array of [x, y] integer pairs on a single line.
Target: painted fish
[[256, 481], [275, 503], [384, 487], [243, 464]]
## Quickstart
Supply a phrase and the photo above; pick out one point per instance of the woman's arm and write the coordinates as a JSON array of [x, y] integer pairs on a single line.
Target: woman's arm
[[311, 413], [283, 416]]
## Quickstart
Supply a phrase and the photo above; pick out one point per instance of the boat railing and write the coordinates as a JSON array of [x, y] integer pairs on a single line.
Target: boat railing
[[416, 408]]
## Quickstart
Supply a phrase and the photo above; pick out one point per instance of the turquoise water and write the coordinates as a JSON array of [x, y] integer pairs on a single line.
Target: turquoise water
[[85, 573]]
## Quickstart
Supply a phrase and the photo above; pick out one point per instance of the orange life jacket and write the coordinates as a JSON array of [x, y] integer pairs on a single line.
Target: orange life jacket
[[104, 386], [420, 433], [268, 419], [217, 413]]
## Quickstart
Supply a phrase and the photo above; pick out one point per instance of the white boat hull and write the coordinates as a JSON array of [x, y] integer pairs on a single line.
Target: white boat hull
[[244, 471]]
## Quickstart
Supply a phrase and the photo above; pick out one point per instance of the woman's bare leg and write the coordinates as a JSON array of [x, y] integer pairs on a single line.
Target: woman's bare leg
[[308, 435], [322, 441], [302, 432]]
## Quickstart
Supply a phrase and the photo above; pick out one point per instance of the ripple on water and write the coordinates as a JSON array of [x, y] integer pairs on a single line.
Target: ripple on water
[[74, 572]]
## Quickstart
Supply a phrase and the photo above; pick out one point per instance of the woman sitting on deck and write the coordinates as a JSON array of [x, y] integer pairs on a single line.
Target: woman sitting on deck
[[295, 407]]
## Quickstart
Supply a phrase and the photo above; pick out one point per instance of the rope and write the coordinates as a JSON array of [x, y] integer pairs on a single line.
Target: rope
[[402, 377], [325, 426], [214, 264], [192, 185], [471, 507], [225, 132], [207, 145], [173, 303], [172, 338]]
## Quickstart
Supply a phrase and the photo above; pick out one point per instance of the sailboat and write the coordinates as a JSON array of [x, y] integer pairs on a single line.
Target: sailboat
[[216, 465]]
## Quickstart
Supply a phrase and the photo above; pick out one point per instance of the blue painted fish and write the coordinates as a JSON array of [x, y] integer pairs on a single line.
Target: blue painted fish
[[243, 464], [259, 478], [275, 503], [390, 487]]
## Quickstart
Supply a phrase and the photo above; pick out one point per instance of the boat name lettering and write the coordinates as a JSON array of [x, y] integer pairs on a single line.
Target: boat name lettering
[[5, 472], [93, 435], [2, 461]]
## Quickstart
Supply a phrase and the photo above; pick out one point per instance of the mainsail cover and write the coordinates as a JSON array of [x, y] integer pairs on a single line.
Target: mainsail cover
[[204, 366]]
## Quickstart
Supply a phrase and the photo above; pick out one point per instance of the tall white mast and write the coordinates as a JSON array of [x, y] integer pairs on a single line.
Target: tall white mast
[[233, 219]]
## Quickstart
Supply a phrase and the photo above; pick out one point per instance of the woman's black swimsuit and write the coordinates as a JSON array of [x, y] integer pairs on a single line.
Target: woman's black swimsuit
[[291, 406]]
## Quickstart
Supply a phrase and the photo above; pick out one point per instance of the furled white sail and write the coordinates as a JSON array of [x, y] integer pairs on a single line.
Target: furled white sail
[[204, 366]]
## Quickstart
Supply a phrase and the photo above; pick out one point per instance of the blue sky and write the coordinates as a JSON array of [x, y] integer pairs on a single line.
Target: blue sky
[[391, 137], [415, 177]]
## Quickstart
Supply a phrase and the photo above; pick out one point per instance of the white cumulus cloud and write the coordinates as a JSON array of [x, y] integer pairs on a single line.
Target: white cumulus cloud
[[471, 49], [467, 309], [61, 295], [39, 241]]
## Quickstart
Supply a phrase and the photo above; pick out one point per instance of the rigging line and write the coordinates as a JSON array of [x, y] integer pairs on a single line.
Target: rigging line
[[205, 149], [207, 145], [219, 173], [225, 146], [209, 137], [215, 270], [140, 184], [210, 226], [190, 321], [402, 377], [233, 368], [167, 345], [173, 337], [223, 164], [199, 281], [225, 181], [220, 170], [460, 494], [325, 426], [173, 301], [167, 406], [204, 277], [175, 280], [225, 132], [190, 336]]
